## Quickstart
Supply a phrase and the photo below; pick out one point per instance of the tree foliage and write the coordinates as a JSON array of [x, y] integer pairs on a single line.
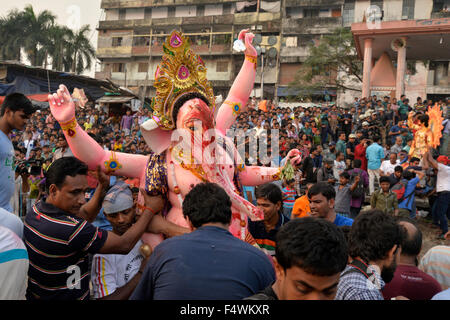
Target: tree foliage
[[44, 42], [332, 63]]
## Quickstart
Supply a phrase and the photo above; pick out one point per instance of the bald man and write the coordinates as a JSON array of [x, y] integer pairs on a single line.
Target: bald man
[[409, 281]]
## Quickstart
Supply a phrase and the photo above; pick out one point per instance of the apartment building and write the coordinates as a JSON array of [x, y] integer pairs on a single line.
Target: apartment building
[[133, 31]]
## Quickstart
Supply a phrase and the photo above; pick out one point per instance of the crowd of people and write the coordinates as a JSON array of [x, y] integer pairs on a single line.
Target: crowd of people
[[344, 227]]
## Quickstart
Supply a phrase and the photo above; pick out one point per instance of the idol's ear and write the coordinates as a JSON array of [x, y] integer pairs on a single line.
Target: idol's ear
[[157, 139], [218, 103]]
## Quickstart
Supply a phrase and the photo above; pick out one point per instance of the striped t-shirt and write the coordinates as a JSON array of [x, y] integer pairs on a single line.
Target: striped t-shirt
[[264, 239], [288, 197], [436, 262], [58, 245]]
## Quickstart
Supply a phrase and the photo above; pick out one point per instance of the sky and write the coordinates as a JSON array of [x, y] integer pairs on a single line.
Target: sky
[[72, 13]]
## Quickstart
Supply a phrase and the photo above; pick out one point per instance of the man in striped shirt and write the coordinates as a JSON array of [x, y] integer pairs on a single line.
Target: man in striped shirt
[[58, 233], [270, 199]]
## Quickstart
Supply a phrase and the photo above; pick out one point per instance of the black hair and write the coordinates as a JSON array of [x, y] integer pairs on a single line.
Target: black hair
[[408, 174], [357, 163], [414, 159], [182, 100], [412, 242], [322, 188], [398, 169], [269, 191], [384, 179], [207, 202], [377, 139], [345, 230], [16, 102], [424, 118], [66, 166], [315, 245], [373, 234], [345, 175]]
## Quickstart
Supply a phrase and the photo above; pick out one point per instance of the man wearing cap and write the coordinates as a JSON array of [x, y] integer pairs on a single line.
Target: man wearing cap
[[330, 152], [365, 130], [115, 276], [350, 147], [442, 204]]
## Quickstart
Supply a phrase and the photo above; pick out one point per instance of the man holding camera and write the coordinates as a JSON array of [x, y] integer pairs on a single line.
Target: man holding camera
[[15, 111]]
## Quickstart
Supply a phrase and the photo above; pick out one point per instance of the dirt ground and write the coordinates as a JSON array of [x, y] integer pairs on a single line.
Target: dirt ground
[[429, 235]]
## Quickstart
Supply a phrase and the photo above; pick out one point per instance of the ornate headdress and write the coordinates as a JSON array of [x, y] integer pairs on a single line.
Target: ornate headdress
[[181, 72]]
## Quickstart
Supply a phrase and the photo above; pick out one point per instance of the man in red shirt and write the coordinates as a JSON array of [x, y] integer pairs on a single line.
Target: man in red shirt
[[360, 153], [409, 281]]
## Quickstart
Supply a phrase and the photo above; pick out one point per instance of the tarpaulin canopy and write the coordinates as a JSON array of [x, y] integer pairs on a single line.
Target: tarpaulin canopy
[[34, 97], [37, 81]]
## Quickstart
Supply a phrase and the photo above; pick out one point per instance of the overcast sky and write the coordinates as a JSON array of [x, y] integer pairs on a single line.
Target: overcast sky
[[72, 13]]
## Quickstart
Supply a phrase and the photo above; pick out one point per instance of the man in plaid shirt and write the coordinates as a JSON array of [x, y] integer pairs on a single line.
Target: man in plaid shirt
[[374, 246]]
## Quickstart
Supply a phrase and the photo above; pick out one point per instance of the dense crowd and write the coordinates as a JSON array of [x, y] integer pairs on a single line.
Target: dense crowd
[[315, 223]]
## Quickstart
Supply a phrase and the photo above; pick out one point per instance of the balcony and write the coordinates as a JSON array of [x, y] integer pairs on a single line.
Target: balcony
[[438, 15], [269, 21], [315, 3], [314, 25], [123, 4]]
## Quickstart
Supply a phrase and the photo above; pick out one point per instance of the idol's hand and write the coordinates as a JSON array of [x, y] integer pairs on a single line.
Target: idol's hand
[[247, 38], [62, 105]]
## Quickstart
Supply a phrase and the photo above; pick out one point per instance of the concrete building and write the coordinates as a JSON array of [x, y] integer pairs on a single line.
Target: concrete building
[[411, 40], [284, 28], [132, 33]]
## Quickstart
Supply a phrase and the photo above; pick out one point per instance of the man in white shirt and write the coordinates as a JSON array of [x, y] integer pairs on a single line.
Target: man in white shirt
[[442, 204], [14, 264], [388, 166]]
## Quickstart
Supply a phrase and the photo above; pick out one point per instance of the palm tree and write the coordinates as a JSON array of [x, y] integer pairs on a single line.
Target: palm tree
[[35, 33], [57, 47], [11, 36], [82, 51]]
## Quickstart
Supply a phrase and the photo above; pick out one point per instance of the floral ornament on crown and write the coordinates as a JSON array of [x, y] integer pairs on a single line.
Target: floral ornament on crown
[[181, 72]]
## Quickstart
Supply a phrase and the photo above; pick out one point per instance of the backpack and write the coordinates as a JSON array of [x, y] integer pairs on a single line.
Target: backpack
[[399, 189], [359, 190]]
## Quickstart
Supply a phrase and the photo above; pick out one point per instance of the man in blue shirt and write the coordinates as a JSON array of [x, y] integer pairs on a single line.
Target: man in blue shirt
[[407, 206], [395, 131], [374, 155], [208, 263], [15, 112], [322, 200]]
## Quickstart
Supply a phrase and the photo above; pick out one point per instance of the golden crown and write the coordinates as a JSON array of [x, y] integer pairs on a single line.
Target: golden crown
[[181, 72]]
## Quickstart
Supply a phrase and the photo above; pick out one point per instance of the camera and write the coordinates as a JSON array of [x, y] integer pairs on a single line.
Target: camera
[[32, 167]]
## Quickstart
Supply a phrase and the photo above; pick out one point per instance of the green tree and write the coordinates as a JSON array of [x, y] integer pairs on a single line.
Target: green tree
[[332, 63], [81, 50], [35, 28], [11, 36], [57, 47]]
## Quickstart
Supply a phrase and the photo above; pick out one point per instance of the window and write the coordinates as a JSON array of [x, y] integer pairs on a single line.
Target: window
[[118, 67], [222, 66], [376, 12], [348, 16], [122, 14], [310, 13], [148, 13], [200, 11], [227, 8], [378, 3], [143, 41], [408, 9], [171, 12], [290, 42], [143, 67], [117, 41]]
